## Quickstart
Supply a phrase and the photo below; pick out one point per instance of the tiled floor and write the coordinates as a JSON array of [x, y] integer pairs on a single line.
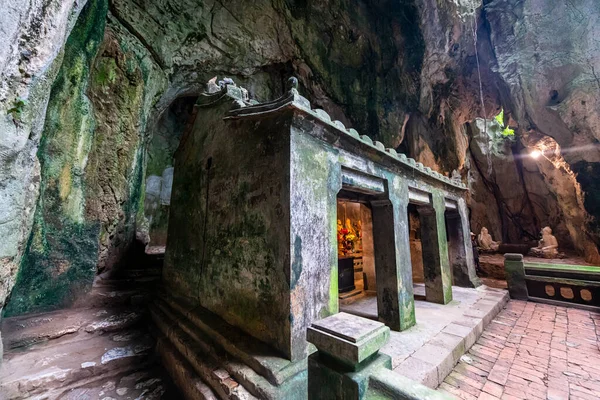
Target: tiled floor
[[532, 351]]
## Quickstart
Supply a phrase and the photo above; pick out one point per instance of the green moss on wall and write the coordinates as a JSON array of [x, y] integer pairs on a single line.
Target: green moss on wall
[[61, 254]]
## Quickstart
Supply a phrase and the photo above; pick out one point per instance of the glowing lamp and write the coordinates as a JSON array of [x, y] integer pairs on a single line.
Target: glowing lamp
[[535, 154]]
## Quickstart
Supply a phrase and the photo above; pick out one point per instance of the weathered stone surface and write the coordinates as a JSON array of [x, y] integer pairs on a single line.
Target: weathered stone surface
[[30, 54], [114, 322], [515, 276], [436, 267], [402, 72], [231, 268], [327, 380], [385, 383], [347, 337]]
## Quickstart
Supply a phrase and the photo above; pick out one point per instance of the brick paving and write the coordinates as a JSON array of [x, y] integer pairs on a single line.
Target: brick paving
[[532, 351]]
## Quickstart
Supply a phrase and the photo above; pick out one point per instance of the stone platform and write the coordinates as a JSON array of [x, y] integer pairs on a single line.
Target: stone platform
[[428, 351]]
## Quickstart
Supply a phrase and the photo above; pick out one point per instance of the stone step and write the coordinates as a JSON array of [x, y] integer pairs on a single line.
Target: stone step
[[104, 297], [28, 330], [138, 273], [432, 362], [142, 282], [71, 361], [262, 359], [183, 374], [353, 293], [237, 353], [196, 350], [116, 383]]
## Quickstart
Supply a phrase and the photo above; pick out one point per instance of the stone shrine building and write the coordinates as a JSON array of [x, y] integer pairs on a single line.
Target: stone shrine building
[[252, 248]]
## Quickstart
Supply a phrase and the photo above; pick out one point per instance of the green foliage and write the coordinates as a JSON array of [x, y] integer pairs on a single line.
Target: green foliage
[[506, 131], [17, 109], [500, 118]]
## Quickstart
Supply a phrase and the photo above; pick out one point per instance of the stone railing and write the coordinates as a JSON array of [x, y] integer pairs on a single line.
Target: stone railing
[[348, 364], [560, 284]]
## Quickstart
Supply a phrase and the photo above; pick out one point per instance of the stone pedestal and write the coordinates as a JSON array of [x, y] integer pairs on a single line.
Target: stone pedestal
[[515, 276], [348, 355]]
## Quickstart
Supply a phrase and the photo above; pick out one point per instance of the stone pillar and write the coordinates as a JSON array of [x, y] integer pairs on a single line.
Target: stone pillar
[[515, 276], [465, 233], [456, 250], [393, 270], [366, 218], [436, 265], [347, 356], [460, 252]]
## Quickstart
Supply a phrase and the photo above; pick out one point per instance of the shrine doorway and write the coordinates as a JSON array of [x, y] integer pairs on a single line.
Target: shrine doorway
[[356, 263], [416, 248], [367, 265]]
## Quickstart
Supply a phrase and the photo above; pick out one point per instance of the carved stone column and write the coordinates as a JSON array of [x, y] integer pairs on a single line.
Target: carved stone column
[[467, 273], [436, 265], [395, 299]]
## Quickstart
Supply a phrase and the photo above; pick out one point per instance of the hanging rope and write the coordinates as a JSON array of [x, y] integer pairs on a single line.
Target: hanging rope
[[474, 33]]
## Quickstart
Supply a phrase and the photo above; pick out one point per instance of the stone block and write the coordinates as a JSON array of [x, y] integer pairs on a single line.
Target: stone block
[[348, 338], [455, 344], [387, 384], [167, 186], [326, 381], [515, 276], [439, 356], [456, 347], [469, 333], [419, 371], [153, 185]]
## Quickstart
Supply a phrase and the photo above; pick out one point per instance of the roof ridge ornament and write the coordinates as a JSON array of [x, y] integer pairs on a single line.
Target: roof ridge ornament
[[226, 87], [292, 83]]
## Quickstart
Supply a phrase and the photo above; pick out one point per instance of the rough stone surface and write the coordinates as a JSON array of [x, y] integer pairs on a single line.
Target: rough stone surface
[[30, 54], [348, 338], [403, 71]]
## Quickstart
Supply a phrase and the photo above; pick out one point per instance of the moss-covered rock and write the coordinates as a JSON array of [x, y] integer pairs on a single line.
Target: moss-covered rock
[[60, 259]]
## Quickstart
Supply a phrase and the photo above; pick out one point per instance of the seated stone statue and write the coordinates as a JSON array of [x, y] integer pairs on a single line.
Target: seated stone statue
[[486, 243], [547, 246]]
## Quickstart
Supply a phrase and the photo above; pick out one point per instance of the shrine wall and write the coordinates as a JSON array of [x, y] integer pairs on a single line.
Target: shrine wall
[[228, 241]]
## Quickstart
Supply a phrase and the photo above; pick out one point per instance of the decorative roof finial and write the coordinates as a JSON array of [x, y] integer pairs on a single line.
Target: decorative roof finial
[[292, 83], [226, 81]]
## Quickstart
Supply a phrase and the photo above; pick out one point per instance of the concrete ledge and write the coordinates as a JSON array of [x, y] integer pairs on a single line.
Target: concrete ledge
[[430, 364]]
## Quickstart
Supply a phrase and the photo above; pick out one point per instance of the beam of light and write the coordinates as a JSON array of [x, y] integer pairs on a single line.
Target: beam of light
[[579, 149], [535, 153]]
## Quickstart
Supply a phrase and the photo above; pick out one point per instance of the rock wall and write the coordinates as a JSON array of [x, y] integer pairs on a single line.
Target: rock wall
[[404, 72], [547, 55], [30, 55]]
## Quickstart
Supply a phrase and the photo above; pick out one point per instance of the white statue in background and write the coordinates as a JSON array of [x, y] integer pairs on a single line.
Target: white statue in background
[[486, 242], [547, 246]]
